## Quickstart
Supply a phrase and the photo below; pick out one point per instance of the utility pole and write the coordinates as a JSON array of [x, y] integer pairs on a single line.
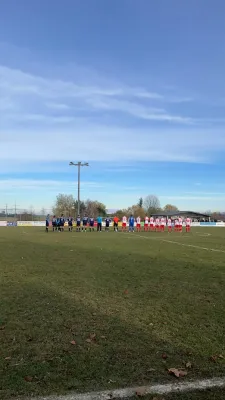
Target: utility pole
[[15, 211], [6, 210], [31, 211], [78, 165]]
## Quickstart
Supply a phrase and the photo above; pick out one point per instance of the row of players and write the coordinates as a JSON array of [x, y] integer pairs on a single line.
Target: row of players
[[157, 224], [58, 223], [151, 224]]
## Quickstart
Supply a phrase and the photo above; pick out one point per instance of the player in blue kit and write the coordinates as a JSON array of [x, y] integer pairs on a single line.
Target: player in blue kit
[[78, 221], [91, 224], [62, 222], [107, 223], [58, 224], [131, 223], [47, 223], [70, 224], [54, 223], [85, 222]]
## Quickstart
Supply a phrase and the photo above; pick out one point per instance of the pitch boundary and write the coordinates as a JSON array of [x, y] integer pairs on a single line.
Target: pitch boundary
[[179, 244], [144, 390]]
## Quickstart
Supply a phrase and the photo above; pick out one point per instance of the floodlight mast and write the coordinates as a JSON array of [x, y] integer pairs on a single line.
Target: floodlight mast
[[78, 164]]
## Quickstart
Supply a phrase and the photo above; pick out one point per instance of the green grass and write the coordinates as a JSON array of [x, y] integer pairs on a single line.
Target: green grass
[[212, 394], [141, 297]]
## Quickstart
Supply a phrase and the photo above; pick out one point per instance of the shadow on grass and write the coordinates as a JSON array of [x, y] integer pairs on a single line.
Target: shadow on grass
[[40, 324], [51, 296]]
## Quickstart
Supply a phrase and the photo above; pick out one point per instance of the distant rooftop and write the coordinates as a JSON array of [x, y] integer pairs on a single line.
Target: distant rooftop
[[180, 213]]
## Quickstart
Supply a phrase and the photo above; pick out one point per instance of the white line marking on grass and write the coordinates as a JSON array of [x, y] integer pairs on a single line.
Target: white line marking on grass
[[182, 244], [194, 246], [150, 389], [203, 234]]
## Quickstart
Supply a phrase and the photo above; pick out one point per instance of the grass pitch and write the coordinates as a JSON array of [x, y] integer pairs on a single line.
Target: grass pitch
[[91, 311]]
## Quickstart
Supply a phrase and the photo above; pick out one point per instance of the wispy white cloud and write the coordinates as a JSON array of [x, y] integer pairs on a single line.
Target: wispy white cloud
[[123, 169], [38, 184], [58, 106], [176, 99], [5, 103], [43, 114], [207, 193], [102, 143], [144, 94], [202, 198], [29, 92], [138, 110], [43, 192], [42, 118]]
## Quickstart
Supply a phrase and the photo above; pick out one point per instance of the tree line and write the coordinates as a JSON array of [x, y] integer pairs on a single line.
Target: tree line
[[146, 206], [67, 205]]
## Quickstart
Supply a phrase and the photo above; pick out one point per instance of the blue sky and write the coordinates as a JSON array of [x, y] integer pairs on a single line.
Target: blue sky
[[136, 88]]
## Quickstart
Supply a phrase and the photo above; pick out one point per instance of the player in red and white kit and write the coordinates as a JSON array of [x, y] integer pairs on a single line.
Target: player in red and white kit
[[176, 225], [146, 227], [157, 224], [188, 224], [138, 224], [152, 228], [162, 224], [124, 223], [169, 224], [180, 222]]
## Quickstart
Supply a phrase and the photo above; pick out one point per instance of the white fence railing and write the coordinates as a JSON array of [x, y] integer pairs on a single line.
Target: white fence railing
[[42, 223]]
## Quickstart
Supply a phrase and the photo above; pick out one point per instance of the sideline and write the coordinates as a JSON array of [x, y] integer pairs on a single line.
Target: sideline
[[145, 390], [178, 243], [203, 234]]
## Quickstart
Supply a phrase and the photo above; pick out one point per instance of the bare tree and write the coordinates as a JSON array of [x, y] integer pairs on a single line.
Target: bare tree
[[65, 204], [217, 216], [26, 216], [151, 204], [120, 213], [102, 209], [94, 208], [170, 208], [208, 212], [136, 211], [82, 208], [43, 212]]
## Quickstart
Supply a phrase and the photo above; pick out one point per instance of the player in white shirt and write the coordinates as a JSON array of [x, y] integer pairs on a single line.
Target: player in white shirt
[[138, 224], [188, 224], [152, 224], [146, 227], [124, 223], [157, 224], [162, 224], [176, 225], [169, 224], [180, 224]]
